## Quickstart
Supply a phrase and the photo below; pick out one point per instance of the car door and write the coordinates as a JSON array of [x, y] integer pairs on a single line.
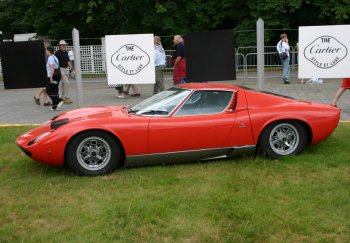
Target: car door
[[203, 122]]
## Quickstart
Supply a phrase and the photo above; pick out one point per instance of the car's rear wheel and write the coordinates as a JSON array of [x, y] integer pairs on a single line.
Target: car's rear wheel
[[93, 153], [283, 138]]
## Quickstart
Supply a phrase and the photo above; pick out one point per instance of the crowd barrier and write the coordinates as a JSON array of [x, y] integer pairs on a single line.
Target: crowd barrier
[[93, 62]]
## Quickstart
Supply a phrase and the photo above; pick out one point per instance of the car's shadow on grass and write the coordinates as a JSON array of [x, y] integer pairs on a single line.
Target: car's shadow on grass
[[242, 158], [36, 169], [32, 168]]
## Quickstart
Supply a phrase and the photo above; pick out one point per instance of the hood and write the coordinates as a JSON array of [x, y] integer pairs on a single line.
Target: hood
[[93, 112]]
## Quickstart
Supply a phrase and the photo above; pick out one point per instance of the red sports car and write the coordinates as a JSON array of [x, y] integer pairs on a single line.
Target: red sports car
[[185, 123]]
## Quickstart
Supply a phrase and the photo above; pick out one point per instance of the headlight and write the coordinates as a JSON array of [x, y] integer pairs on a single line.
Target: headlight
[[58, 123], [39, 138]]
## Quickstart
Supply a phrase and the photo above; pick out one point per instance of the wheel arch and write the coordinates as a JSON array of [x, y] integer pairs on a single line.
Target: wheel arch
[[301, 122], [122, 161]]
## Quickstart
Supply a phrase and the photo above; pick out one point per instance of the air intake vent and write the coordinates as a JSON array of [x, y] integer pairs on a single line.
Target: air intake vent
[[233, 103]]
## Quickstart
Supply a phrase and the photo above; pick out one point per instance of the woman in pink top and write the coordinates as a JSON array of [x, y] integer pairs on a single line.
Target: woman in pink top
[[344, 86]]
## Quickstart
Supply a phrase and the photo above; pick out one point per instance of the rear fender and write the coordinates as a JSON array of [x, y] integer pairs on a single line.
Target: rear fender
[[303, 123], [261, 120]]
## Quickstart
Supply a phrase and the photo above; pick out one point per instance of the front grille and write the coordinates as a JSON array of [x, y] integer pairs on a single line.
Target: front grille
[[29, 154]]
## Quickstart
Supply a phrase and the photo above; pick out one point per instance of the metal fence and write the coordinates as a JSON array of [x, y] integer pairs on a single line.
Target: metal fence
[[93, 62]]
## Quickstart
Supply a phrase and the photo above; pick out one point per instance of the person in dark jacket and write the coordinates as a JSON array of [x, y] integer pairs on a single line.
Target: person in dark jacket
[[179, 75]]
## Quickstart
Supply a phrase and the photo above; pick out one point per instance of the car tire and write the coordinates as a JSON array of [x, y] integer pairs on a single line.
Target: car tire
[[283, 138], [93, 153]]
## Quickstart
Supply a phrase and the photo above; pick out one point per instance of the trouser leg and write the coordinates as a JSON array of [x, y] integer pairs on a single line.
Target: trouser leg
[[285, 74], [52, 92], [159, 85], [64, 83]]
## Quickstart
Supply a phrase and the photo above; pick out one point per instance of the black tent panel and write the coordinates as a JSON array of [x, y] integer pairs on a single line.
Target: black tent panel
[[23, 64]]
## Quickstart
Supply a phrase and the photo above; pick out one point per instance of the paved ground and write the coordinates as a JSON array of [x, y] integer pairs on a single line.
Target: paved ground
[[18, 107]]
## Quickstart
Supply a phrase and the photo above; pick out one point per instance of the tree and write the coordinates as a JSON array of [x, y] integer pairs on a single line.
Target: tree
[[96, 18], [54, 18], [11, 18]]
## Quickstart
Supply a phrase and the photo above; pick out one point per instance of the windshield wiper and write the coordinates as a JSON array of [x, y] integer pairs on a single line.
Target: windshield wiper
[[130, 110], [155, 112]]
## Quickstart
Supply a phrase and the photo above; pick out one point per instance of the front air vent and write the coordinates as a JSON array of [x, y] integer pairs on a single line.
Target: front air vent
[[58, 123]]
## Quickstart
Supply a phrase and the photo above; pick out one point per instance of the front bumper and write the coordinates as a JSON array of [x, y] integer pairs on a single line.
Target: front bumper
[[48, 150]]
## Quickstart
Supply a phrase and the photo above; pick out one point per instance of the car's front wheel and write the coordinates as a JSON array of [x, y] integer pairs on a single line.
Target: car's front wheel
[[93, 153], [283, 138]]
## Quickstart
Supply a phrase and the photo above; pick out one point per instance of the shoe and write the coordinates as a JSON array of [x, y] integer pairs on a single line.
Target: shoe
[[59, 105], [121, 96], [67, 101], [47, 104], [135, 95], [37, 101], [285, 81], [126, 93]]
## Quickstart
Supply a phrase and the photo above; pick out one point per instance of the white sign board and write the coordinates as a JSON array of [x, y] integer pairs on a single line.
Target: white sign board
[[130, 59], [24, 37], [324, 51]]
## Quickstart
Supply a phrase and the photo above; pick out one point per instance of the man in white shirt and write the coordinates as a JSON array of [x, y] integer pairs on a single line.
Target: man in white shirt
[[283, 50], [159, 59], [71, 59]]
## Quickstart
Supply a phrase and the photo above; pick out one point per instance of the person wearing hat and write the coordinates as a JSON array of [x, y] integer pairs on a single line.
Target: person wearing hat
[[62, 56], [159, 62]]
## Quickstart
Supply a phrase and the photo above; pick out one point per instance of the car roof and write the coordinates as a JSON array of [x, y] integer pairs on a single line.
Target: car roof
[[206, 86]]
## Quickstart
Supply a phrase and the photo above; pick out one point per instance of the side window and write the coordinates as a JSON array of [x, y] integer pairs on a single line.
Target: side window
[[205, 102]]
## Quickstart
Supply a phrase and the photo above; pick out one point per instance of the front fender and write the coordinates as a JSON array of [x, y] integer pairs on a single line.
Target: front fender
[[131, 133]]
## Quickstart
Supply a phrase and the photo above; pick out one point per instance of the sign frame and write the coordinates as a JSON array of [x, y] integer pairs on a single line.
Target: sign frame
[[130, 59], [324, 51]]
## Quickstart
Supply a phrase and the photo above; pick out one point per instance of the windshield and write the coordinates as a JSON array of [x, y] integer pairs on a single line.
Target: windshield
[[162, 103]]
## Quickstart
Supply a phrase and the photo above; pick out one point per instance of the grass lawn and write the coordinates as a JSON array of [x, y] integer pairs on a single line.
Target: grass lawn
[[252, 199]]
